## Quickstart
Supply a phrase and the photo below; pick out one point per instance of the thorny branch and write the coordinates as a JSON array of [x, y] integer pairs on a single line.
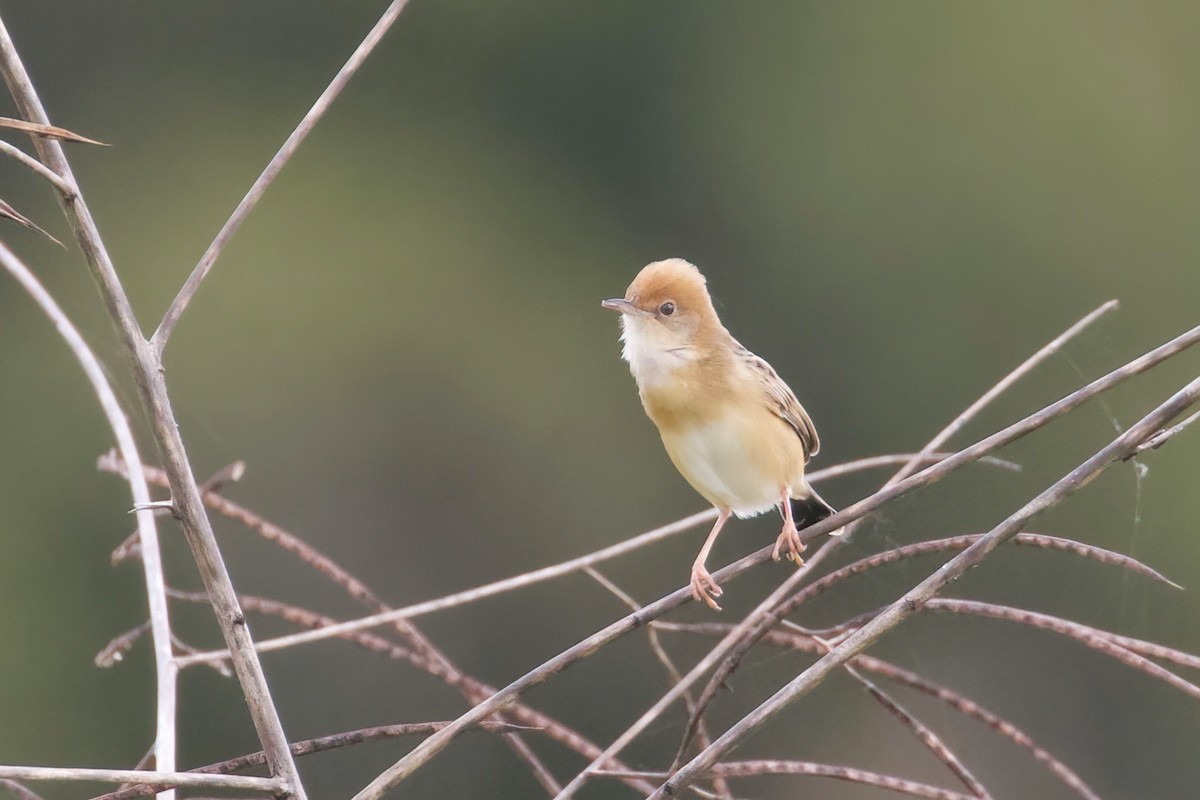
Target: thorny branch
[[152, 391]]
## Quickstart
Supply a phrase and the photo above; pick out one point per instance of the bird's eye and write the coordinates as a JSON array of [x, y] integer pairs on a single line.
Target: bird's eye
[[667, 309]]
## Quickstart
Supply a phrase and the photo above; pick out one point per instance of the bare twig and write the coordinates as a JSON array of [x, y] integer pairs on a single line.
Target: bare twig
[[179, 304], [434, 744], [673, 675], [353, 586], [761, 618], [747, 769], [41, 169], [18, 791], [377, 644], [152, 390], [158, 777], [1159, 439], [481, 592], [230, 473], [767, 617], [1035, 540], [46, 131], [8, 212], [931, 740], [921, 459], [923, 592], [987, 398], [1075, 630], [320, 744], [802, 640], [115, 650], [165, 669], [733, 659]]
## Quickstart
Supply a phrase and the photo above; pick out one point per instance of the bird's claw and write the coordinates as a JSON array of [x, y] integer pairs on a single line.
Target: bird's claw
[[789, 545], [704, 588]]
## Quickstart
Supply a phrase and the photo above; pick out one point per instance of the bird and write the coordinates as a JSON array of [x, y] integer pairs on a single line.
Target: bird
[[729, 423]]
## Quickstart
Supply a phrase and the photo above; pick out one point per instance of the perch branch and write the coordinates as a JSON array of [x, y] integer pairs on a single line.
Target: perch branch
[[760, 619], [923, 592], [436, 743], [296, 545], [767, 618]]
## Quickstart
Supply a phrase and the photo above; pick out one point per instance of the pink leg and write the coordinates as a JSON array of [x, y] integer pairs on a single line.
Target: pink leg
[[703, 586], [789, 543]]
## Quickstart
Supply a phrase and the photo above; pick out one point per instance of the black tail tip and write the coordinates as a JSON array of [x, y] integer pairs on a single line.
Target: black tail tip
[[810, 510]]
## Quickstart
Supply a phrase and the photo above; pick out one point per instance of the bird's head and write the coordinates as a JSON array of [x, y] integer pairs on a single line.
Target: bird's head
[[667, 316]]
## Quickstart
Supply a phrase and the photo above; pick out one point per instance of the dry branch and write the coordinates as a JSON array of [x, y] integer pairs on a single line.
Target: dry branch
[[291, 144], [320, 744], [923, 592], [156, 598], [46, 131], [796, 639], [760, 620]]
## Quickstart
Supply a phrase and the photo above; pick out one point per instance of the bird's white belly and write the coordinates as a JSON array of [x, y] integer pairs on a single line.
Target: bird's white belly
[[715, 458]]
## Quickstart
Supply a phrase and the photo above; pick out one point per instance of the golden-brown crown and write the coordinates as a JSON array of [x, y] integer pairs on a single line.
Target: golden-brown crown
[[670, 280]]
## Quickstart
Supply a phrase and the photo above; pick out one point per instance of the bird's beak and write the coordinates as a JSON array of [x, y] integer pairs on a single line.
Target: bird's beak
[[623, 306]]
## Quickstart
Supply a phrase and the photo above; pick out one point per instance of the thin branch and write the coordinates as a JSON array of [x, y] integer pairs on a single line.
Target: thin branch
[[748, 769], [785, 607], [354, 587], [480, 592], [8, 212], [116, 649], [921, 459], [987, 398], [1159, 439], [156, 597], [159, 777], [46, 131], [18, 791], [436, 743], [41, 169], [1078, 631], [768, 617], [950, 544], [455, 679], [673, 675], [306, 747], [923, 592], [931, 740], [291, 144], [762, 617], [152, 390], [796, 639]]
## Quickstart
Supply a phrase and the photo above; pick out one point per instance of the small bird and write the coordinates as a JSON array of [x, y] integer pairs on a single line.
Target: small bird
[[731, 426]]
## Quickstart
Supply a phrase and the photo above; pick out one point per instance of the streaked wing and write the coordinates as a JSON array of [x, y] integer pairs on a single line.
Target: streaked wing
[[782, 401]]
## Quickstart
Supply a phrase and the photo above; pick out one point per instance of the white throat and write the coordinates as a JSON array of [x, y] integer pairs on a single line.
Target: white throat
[[653, 352]]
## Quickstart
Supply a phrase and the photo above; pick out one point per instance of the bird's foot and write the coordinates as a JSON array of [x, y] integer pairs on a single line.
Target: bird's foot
[[789, 545], [704, 587]]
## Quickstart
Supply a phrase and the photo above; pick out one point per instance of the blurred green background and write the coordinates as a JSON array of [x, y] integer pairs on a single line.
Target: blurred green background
[[894, 203]]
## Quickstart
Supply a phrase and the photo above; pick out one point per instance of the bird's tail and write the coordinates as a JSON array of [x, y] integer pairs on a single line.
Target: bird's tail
[[811, 510]]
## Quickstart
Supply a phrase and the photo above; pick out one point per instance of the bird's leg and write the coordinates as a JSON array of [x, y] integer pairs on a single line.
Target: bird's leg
[[703, 586], [789, 543]]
